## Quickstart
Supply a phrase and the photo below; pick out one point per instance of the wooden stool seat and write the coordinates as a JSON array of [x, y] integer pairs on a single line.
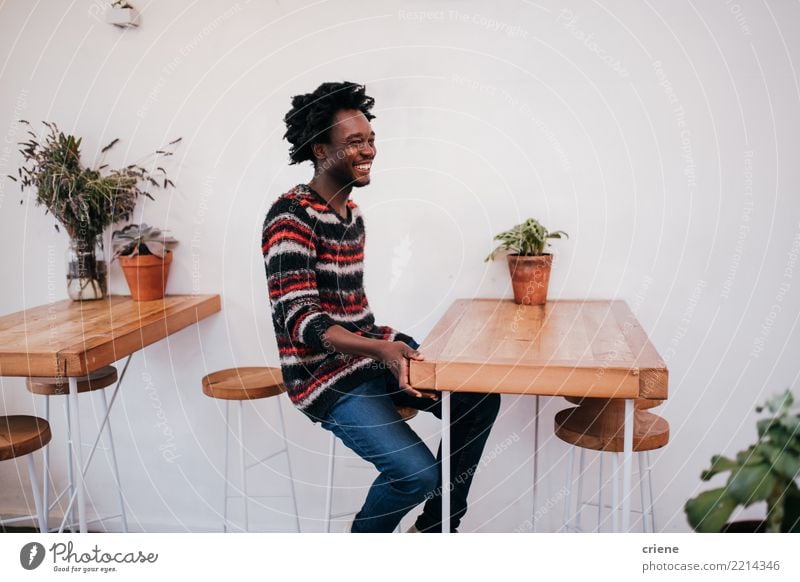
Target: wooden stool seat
[[248, 383], [613, 403], [584, 426], [97, 380], [21, 435]]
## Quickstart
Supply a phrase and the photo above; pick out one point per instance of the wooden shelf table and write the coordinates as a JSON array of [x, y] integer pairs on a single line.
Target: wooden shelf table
[[69, 339]]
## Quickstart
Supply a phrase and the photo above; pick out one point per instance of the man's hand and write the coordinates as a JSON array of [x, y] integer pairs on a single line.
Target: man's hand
[[396, 356]]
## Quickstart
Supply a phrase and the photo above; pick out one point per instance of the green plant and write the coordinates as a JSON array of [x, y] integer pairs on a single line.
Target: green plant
[[528, 239], [766, 471], [134, 240], [84, 200]]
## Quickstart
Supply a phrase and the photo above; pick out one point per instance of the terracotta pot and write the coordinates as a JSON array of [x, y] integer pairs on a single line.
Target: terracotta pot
[[146, 275], [530, 277]]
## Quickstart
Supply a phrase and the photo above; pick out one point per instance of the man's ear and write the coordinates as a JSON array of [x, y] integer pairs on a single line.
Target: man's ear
[[318, 150]]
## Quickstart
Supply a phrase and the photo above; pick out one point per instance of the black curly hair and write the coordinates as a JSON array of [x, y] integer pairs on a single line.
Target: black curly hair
[[311, 117]]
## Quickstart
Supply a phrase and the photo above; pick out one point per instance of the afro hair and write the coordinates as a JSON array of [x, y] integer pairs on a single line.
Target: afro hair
[[311, 117]]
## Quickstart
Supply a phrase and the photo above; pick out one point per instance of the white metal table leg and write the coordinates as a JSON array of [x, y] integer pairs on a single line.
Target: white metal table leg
[[650, 492], [535, 462], [627, 464], [46, 465], [70, 513], [640, 466], [75, 444], [445, 462]]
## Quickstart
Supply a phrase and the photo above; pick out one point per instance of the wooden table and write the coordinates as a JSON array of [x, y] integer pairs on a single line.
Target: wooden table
[[71, 339], [563, 348]]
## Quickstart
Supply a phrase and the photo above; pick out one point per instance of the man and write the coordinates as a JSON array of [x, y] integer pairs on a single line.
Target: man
[[339, 367]]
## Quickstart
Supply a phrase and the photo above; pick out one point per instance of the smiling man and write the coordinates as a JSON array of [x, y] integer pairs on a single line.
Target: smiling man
[[339, 367]]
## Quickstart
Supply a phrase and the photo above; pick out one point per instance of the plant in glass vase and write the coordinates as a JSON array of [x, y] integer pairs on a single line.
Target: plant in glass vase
[[84, 200]]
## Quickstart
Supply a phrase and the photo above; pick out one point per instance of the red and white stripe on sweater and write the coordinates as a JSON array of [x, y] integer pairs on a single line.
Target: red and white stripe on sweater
[[314, 261]]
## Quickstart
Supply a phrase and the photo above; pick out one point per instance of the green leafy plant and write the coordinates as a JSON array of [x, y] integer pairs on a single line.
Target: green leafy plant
[[529, 239], [140, 240], [83, 200], [766, 471]]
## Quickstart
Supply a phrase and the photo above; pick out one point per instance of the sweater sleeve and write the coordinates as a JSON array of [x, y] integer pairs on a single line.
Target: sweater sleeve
[[385, 332], [290, 260]]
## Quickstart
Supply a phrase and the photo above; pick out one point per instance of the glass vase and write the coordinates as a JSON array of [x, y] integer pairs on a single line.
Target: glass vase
[[87, 272]]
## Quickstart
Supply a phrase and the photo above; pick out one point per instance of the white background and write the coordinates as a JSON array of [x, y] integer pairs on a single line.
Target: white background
[[662, 136]]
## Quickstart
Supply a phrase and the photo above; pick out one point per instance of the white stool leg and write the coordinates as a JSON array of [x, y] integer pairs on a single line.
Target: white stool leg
[[227, 449], [600, 494], [568, 500], [329, 489], [614, 492], [70, 473], [114, 463], [37, 497], [46, 463], [289, 464], [243, 460], [579, 493]]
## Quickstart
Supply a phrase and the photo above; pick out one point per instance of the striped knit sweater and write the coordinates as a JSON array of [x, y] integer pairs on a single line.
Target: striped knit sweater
[[314, 261]]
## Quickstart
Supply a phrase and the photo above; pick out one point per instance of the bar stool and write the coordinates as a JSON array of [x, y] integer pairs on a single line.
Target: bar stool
[[22, 436], [406, 413], [597, 424], [94, 382], [240, 384]]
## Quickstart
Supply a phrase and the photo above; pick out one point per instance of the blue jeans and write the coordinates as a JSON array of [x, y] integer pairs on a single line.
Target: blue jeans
[[367, 422]]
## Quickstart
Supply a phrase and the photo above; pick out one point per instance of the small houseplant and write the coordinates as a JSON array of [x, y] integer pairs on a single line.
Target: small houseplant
[[528, 262], [145, 254], [766, 471], [84, 200]]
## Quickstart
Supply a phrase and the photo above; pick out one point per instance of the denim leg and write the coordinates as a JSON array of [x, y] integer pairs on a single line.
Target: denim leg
[[366, 421]]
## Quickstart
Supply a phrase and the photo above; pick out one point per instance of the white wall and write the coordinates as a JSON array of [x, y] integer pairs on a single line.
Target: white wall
[[661, 135]]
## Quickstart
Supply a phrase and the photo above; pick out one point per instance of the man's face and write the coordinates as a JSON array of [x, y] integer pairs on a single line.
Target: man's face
[[348, 158]]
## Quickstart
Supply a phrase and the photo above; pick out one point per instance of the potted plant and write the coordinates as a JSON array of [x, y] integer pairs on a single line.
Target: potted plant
[[528, 262], [766, 471], [83, 200], [145, 255]]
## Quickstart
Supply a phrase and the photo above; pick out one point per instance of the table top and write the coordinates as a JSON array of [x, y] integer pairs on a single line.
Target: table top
[[563, 348], [73, 338]]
